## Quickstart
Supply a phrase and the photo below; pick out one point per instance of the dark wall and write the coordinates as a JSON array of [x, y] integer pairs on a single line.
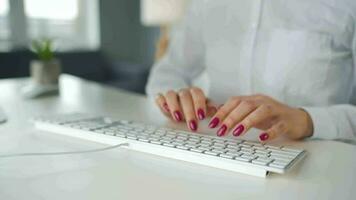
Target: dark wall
[[122, 35]]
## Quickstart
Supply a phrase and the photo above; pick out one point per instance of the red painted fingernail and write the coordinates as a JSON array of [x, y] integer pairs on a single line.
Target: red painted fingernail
[[214, 122], [193, 125], [165, 106], [264, 136], [222, 130], [238, 130], [178, 116], [201, 114]]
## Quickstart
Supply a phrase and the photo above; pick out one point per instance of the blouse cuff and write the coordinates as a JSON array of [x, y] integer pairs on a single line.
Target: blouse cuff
[[323, 123]]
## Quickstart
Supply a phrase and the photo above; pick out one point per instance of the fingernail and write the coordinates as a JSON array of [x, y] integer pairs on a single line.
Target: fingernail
[[178, 116], [201, 114], [193, 125], [238, 130], [165, 106], [214, 122], [222, 130], [264, 136]]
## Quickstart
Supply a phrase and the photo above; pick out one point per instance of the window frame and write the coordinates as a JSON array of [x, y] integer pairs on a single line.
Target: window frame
[[19, 37]]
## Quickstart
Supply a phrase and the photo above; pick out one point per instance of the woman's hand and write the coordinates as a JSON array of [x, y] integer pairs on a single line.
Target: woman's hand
[[241, 113], [189, 104]]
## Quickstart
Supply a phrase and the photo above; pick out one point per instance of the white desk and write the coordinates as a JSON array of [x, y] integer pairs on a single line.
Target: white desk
[[329, 171]]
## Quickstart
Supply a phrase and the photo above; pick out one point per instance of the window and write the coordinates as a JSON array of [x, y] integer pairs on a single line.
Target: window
[[4, 7], [72, 24], [65, 10], [4, 28]]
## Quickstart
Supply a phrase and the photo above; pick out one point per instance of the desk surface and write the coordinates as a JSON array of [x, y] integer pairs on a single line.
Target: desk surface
[[328, 172]]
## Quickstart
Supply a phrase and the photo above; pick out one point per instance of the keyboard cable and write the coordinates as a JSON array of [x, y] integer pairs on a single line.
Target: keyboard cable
[[63, 152]]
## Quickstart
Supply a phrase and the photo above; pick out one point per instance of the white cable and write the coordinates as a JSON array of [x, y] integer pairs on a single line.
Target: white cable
[[61, 153]]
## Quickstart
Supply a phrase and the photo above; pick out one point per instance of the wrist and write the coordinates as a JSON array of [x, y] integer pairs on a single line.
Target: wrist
[[307, 122]]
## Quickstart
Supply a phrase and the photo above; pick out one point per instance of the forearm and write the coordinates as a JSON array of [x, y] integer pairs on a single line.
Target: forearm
[[165, 77], [334, 122]]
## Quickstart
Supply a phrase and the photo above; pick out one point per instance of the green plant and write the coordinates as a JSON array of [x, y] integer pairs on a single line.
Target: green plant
[[43, 49]]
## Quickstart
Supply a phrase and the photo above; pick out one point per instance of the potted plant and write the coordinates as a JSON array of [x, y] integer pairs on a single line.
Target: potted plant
[[46, 69]]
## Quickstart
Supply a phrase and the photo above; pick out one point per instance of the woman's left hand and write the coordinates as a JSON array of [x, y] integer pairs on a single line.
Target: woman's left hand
[[241, 113]]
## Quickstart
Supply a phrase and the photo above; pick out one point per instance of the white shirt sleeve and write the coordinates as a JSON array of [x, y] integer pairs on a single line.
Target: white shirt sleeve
[[185, 57], [338, 121]]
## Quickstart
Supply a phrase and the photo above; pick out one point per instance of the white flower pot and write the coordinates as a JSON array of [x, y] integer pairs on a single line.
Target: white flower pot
[[45, 73]]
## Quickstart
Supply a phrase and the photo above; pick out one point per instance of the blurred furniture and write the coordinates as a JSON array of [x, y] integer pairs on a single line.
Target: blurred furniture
[[328, 172], [90, 65]]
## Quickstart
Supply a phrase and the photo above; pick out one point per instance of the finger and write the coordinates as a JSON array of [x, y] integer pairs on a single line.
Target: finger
[[261, 114], [186, 102], [211, 108], [236, 115], [272, 133], [199, 101], [174, 105], [224, 111], [162, 104]]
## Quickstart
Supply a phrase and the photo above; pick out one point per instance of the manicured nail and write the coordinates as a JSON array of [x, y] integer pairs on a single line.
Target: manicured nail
[[193, 125], [238, 130], [264, 136], [166, 108], [201, 114], [178, 116], [222, 130], [214, 122]]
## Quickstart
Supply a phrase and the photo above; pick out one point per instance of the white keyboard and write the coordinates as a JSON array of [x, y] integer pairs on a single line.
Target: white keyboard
[[229, 154]]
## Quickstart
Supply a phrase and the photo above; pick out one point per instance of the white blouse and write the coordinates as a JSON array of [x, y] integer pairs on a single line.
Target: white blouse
[[301, 52]]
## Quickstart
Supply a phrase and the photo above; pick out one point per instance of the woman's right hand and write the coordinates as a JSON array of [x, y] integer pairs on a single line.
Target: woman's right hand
[[188, 104]]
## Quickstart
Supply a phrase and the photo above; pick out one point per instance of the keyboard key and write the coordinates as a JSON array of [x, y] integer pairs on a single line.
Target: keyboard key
[[246, 151], [219, 145], [260, 154], [211, 153], [296, 151], [205, 144], [109, 132], [245, 145], [273, 147], [165, 140], [281, 155], [156, 142], [262, 161], [227, 156], [196, 150], [182, 147], [143, 140], [249, 156], [132, 137], [218, 150], [191, 145], [204, 148], [182, 138], [264, 151], [168, 145], [196, 140], [242, 159], [276, 165], [259, 162]]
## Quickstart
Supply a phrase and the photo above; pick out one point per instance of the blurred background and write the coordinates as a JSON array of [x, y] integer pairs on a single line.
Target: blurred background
[[108, 41]]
